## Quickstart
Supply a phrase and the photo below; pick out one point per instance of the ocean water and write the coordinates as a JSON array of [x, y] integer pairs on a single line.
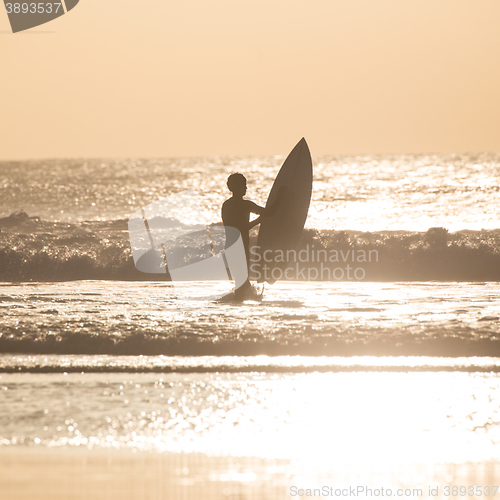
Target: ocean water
[[396, 365], [363, 193], [352, 418], [425, 217], [293, 319]]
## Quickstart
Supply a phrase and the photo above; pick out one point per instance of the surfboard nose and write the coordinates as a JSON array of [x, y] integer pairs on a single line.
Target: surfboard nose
[[303, 142], [302, 145]]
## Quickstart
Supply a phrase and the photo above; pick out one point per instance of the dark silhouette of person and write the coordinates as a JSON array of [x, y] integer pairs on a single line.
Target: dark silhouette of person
[[236, 213]]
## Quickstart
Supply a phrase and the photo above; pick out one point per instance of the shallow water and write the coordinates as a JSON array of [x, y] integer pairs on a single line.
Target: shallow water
[[326, 420], [165, 367], [308, 318]]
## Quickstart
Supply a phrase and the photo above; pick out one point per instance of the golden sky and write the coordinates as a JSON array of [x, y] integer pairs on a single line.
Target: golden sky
[[160, 78]]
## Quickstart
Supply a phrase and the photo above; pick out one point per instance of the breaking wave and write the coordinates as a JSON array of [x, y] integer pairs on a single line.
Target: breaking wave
[[35, 250]]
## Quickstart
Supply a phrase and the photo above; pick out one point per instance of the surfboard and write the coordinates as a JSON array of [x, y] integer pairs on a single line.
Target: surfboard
[[282, 231]]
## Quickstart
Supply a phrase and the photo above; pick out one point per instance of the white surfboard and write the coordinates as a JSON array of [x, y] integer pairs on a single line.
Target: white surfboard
[[282, 231]]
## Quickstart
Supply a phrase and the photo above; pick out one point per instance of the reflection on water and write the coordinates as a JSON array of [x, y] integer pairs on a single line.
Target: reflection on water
[[411, 192], [324, 420], [307, 318]]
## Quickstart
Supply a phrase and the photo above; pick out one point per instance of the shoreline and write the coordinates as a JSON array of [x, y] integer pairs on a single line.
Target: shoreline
[[75, 473], [105, 474]]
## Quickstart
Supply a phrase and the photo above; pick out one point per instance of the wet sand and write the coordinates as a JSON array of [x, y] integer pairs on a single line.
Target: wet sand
[[77, 474], [71, 474]]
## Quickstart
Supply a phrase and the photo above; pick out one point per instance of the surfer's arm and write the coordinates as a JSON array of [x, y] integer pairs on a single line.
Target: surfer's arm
[[255, 209], [268, 211], [254, 222]]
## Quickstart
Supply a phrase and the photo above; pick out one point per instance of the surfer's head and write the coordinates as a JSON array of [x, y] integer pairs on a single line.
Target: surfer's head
[[237, 184]]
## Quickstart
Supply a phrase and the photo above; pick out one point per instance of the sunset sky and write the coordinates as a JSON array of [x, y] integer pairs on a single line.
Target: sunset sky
[[160, 78]]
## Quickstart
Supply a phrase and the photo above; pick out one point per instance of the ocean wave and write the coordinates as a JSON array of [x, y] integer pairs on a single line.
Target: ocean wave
[[90, 337], [240, 364], [35, 250]]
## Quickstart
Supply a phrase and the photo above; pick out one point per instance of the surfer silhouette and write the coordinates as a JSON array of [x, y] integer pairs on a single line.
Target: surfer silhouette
[[236, 213]]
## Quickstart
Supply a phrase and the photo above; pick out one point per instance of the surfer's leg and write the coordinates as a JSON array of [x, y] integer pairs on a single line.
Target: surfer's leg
[[245, 286], [241, 292]]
